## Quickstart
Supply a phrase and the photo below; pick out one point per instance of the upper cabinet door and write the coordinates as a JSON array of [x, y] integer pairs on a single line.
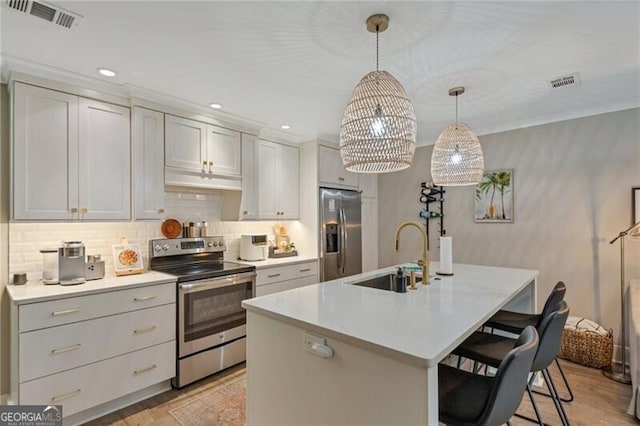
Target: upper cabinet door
[[249, 203], [45, 154], [148, 163], [267, 185], [288, 181], [331, 170], [104, 160], [185, 144], [223, 151]]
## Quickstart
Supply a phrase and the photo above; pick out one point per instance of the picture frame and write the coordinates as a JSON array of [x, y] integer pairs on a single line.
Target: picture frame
[[494, 197], [635, 205]]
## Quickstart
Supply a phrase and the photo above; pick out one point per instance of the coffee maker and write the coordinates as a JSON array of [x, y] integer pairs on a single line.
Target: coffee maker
[[71, 263]]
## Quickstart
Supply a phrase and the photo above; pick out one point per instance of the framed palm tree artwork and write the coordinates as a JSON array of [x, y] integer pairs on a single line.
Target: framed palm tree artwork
[[494, 197]]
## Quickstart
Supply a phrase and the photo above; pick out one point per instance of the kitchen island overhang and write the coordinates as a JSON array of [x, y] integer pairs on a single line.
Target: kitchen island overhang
[[406, 334]]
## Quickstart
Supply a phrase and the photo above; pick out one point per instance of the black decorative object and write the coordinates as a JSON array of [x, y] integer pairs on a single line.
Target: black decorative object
[[432, 196]]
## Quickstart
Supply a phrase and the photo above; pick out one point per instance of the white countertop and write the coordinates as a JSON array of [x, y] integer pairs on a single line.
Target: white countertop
[[37, 291], [268, 263], [420, 327]]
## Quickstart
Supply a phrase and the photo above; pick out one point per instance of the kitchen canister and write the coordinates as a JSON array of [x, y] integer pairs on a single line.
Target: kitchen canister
[[49, 265]]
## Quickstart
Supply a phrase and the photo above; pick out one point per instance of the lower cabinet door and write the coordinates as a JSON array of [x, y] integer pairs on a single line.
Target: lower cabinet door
[[94, 384]]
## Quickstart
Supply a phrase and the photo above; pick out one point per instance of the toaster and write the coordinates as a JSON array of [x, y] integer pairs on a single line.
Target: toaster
[[254, 247]]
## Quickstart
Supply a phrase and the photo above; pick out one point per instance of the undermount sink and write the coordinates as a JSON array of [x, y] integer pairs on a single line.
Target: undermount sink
[[384, 282]]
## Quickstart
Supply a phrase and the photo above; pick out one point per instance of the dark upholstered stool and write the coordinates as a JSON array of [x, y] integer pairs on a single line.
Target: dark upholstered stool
[[490, 349], [467, 399], [515, 322]]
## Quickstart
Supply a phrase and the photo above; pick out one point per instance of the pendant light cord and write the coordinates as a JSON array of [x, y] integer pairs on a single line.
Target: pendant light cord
[[377, 49], [456, 107]]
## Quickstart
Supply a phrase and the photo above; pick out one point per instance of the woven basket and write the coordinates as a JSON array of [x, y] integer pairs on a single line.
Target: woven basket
[[587, 347]]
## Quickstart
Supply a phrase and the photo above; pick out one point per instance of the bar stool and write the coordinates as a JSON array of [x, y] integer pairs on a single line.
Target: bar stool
[[490, 349], [471, 399], [515, 322]]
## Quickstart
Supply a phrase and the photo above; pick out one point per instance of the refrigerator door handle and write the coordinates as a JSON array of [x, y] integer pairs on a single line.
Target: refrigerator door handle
[[343, 231]]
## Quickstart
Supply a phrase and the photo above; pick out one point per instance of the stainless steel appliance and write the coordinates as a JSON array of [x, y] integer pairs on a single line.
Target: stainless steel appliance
[[71, 269], [340, 233], [94, 268], [211, 323]]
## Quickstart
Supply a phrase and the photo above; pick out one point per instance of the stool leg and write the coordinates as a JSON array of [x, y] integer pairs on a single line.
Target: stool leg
[[566, 383], [554, 397]]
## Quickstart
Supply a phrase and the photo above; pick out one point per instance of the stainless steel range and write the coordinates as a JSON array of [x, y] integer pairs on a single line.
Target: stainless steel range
[[211, 322]]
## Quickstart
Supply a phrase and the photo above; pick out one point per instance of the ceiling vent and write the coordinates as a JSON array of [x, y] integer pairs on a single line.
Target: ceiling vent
[[43, 10], [566, 81]]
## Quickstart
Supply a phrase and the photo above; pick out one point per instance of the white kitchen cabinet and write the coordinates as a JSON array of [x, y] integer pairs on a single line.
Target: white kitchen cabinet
[[250, 183], [71, 157], [331, 171], [84, 351], [104, 161], [285, 277], [368, 184], [148, 163], [369, 234], [199, 154], [278, 181]]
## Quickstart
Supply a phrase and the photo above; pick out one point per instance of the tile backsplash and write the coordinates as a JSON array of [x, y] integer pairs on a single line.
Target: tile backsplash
[[27, 239]]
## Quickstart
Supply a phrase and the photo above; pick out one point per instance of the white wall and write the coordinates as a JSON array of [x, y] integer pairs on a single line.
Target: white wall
[[572, 186]]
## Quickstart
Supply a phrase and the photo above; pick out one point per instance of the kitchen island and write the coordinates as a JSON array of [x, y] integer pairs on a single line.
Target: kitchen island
[[377, 352]]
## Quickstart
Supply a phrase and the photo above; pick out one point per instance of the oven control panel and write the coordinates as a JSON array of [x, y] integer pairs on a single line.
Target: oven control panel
[[177, 246]]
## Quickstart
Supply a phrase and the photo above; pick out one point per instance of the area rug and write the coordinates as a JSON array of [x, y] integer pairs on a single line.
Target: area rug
[[222, 405]]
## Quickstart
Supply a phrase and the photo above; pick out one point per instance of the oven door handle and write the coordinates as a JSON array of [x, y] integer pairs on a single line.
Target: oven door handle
[[218, 282]]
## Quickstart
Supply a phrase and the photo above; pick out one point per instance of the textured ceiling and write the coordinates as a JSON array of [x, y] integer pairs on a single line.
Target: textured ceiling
[[298, 62]]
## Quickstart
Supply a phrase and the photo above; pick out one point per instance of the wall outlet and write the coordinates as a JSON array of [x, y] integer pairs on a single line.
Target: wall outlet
[[309, 339]]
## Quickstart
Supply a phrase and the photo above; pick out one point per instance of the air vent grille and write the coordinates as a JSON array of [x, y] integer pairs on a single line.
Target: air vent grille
[[19, 5], [566, 80], [43, 10]]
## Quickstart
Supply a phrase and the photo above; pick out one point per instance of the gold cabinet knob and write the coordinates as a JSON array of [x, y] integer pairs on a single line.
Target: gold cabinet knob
[[245, 212], [160, 211], [340, 178]]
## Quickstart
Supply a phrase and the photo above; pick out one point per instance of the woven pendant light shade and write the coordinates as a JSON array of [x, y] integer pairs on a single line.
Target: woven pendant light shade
[[378, 132], [457, 157]]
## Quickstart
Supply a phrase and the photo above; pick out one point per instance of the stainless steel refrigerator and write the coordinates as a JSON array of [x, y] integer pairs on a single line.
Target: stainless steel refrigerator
[[340, 233]]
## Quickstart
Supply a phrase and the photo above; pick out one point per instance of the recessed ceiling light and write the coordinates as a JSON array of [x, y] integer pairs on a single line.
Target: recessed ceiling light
[[215, 106], [107, 72], [285, 127]]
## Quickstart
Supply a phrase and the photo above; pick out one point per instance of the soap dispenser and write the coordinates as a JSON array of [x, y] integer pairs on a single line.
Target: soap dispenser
[[401, 282]]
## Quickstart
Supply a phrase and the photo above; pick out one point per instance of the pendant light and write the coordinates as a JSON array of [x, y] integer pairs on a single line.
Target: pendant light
[[378, 131], [457, 157]]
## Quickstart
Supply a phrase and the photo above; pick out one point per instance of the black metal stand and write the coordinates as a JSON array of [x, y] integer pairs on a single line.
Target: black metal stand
[[430, 193]]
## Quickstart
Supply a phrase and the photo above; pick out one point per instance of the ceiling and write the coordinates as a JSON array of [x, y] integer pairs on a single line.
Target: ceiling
[[297, 63]]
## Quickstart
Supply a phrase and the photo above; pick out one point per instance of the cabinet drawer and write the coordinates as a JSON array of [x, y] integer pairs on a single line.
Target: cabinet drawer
[[48, 351], [286, 272], [94, 384], [285, 285], [63, 311]]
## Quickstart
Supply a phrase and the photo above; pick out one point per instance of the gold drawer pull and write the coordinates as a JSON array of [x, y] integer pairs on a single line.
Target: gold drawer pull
[[160, 211], [340, 178], [305, 270], [144, 298], [144, 370], [67, 349], [68, 311], [273, 275], [144, 330], [65, 396]]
